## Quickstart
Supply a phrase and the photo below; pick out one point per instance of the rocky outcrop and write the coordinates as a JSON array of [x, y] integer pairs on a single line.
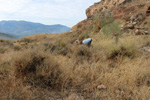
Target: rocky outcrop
[[92, 9], [133, 13], [103, 5]]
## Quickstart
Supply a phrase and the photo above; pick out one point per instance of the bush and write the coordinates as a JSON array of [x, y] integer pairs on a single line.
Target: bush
[[123, 50], [6, 42], [59, 47], [26, 40], [112, 29], [48, 46], [102, 19], [82, 53], [38, 69]]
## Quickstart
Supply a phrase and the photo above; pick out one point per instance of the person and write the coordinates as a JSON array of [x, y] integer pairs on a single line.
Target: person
[[87, 41]]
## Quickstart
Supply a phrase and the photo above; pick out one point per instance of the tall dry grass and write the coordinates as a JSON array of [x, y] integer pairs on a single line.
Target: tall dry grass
[[62, 70]]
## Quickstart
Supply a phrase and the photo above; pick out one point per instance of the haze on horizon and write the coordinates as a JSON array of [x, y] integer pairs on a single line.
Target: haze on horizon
[[49, 12]]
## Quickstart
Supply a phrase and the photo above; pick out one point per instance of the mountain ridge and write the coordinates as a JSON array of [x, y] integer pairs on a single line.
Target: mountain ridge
[[25, 28], [7, 36]]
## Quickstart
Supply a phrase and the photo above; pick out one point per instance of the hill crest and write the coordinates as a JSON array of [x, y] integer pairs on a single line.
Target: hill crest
[[25, 28]]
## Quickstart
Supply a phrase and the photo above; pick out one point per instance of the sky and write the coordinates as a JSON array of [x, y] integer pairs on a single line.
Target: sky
[[48, 12]]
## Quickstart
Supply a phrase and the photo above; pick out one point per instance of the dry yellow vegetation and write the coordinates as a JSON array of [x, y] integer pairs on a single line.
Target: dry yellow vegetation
[[52, 67]]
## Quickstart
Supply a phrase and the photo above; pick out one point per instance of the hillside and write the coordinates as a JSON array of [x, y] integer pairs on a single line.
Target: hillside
[[55, 67], [24, 28], [133, 14], [6, 36]]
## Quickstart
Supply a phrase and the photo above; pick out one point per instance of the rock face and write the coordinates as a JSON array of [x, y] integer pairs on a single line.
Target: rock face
[[133, 13], [92, 10], [103, 5]]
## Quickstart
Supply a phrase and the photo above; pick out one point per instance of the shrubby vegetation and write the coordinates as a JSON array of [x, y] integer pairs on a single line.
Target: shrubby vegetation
[[102, 19], [40, 68]]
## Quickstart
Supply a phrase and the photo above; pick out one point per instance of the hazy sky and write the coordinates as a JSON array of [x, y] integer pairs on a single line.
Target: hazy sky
[[66, 12]]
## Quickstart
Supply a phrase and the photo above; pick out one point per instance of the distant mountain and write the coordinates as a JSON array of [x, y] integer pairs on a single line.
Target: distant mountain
[[24, 28], [7, 36]]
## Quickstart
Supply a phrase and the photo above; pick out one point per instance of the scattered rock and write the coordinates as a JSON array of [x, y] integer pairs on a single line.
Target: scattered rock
[[132, 19], [134, 23], [101, 87], [138, 32], [141, 31], [140, 17], [146, 32], [122, 26], [130, 26]]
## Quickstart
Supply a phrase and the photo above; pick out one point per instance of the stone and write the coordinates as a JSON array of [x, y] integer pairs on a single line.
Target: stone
[[132, 18], [122, 26], [101, 87], [138, 32], [134, 23], [146, 32], [141, 31], [130, 26]]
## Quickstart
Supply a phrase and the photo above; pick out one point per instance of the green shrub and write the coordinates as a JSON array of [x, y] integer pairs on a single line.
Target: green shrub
[[112, 29], [102, 19], [58, 47]]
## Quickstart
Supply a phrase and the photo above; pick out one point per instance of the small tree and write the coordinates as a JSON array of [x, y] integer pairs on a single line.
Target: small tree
[[101, 19], [113, 29]]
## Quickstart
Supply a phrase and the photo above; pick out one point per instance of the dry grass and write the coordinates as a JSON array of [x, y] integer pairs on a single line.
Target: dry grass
[[43, 71]]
